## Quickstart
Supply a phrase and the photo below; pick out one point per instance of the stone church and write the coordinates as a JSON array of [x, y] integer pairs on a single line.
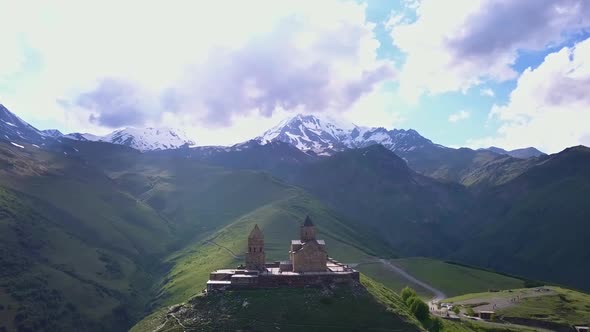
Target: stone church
[[306, 254], [308, 265]]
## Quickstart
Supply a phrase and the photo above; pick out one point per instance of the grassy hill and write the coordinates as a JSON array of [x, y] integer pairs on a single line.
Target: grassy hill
[[75, 251], [367, 307], [280, 222], [450, 278], [90, 233], [558, 305]]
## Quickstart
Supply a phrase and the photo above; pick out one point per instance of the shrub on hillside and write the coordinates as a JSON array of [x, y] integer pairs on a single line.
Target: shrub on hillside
[[420, 310], [408, 292]]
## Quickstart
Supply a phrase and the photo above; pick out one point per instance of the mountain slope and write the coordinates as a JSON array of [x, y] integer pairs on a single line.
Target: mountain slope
[[52, 133], [146, 139], [14, 129], [325, 136], [517, 153], [366, 307], [76, 253], [538, 219], [374, 187], [142, 139]]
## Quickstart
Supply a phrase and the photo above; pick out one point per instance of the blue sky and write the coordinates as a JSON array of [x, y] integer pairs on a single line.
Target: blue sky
[[477, 73]]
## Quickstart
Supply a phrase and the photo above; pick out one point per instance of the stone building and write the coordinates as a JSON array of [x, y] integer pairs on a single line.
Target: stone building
[[308, 254], [309, 265], [255, 257]]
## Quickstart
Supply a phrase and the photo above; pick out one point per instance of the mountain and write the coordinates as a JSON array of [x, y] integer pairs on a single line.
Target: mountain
[[52, 133], [89, 240], [325, 135], [537, 220], [76, 251], [517, 153], [308, 132], [142, 139], [375, 188], [83, 137], [16, 130]]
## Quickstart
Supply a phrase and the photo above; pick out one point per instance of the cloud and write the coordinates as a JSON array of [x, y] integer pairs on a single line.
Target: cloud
[[277, 72], [458, 116], [550, 106], [478, 40], [203, 63], [114, 103], [487, 92]]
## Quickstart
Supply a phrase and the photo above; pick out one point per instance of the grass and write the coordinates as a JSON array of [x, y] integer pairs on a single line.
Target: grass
[[390, 279], [454, 279], [451, 279], [480, 326], [279, 221], [568, 307], [370, 307], [564, 306]]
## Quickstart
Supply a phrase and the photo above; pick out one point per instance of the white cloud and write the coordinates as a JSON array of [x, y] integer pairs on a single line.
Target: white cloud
[[458, 116], [487, 92], [452, 48], [207, 64], [550, 107]]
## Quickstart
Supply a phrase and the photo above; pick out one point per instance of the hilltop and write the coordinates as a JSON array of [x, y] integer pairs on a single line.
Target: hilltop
[[365, 307]]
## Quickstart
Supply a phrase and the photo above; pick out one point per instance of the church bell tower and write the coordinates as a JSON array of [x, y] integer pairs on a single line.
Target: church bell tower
[[255, 257], [307, 230]]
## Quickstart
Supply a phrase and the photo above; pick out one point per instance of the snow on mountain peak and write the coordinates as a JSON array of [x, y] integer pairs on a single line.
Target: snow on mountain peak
[[142, 139], [310, 132], [146, 139], [325, 134]]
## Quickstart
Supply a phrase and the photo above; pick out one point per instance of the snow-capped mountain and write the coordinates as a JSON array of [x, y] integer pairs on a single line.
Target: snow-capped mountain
[[148, 139], [325, 135], [309, 132], [16, 130], [142, 139]]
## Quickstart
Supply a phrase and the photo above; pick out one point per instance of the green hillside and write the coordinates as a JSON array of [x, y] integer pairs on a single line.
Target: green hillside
[[280, 222], [451, 279], [375, 188], [95, 234], [75, 251], [367, 307], [455, 279], [553, 305], [537, 222]]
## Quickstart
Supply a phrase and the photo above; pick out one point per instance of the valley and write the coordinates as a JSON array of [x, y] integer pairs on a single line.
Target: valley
[[97, 235]]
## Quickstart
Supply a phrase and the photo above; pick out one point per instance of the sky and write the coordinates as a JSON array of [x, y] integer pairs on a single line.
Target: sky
[[472, 73]]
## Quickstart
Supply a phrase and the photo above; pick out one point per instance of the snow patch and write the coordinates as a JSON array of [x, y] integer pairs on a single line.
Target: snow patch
[[17, 145]]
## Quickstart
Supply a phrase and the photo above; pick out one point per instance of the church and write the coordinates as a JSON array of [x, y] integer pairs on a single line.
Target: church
[[307, 254], [308, 265]]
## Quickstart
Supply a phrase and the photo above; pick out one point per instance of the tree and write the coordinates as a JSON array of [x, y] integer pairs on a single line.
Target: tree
[[420, 310], [411, 300], [470, 311], [456, 310], [436, 325], [408, 292]]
